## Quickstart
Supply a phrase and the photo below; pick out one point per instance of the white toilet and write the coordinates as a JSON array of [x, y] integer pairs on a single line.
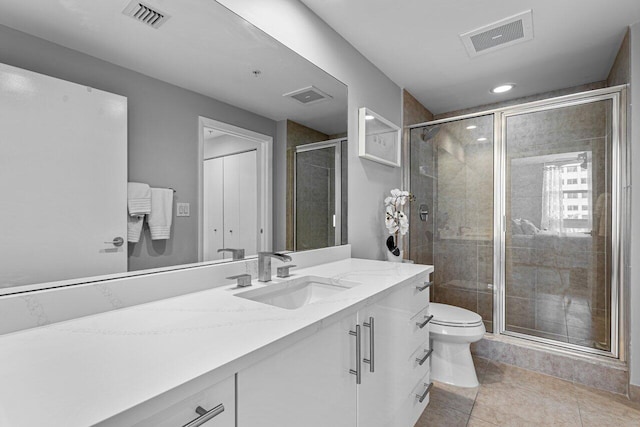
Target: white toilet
[[452, 331]]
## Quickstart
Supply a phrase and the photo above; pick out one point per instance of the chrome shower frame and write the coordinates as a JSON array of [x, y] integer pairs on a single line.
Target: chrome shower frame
[[620, 211]]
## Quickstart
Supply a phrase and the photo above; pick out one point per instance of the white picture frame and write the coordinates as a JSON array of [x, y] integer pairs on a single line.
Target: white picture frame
[[378, 138]]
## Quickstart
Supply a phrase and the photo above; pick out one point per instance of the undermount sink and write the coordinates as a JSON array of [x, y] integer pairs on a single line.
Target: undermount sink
[[297, 292]]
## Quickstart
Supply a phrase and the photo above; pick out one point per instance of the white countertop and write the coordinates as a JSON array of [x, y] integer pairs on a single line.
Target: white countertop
[[84, 371]]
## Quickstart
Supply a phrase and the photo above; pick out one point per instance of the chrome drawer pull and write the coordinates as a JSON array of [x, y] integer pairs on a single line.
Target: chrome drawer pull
[[423, 396], [370, 361], [423, 324], [358, 371], [205, 415], [427, 285], [424, 358]]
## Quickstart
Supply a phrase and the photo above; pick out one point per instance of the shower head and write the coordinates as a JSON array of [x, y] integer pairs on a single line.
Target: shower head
[[429, 132]]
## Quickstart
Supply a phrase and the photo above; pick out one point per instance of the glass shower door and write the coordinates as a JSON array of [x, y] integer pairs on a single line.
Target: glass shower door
[[318, 195], [557, 252], [451, 220]]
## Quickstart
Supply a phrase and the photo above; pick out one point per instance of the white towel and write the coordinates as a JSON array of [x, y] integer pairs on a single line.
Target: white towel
[[161, 213], [134, 228], [138, 198]]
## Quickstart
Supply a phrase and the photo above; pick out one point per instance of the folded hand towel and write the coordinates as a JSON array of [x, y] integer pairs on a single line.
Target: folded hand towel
[[161, 213], [138, 198], [134, 228]]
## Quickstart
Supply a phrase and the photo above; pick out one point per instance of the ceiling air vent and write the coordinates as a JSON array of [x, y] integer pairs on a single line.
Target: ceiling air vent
[[500, 34], [308, 95], [146, 14]]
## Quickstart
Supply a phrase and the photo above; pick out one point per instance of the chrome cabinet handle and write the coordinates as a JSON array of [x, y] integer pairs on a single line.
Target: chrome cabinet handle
[[358, 371], [371, 359], [422, 396], [205, 415], [427, 285], [424, 358], [117, 242], [423, 324]]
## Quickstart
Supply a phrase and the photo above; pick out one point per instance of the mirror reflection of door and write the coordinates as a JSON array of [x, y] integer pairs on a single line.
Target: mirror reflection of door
[[318, 195], [230, 209], [63, 179], [231, 183]]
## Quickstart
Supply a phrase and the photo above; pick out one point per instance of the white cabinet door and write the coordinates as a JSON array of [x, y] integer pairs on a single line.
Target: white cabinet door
[[307, 384], [213, 209], [392, 370], [63, 179]]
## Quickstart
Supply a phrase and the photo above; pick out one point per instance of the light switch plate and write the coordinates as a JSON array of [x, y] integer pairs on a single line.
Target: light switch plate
[[183, 209]]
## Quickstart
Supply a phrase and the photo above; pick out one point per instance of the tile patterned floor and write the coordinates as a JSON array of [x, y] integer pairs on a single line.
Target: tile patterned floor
[[511, 396]]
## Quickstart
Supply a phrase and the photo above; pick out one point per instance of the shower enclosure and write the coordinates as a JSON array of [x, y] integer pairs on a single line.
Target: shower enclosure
[[319, 183], [525, 213]]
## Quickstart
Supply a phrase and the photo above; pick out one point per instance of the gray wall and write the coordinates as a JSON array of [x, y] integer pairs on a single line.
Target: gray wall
[[163, 131]]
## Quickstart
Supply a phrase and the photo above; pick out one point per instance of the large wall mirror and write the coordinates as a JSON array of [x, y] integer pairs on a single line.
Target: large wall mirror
[[246, 137]]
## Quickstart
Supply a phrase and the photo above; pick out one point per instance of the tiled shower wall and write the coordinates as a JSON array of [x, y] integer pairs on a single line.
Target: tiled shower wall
[[297, 134], [419, 245]]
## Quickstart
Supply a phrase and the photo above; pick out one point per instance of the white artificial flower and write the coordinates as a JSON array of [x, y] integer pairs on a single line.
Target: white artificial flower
[[395, 219], [404, 223]]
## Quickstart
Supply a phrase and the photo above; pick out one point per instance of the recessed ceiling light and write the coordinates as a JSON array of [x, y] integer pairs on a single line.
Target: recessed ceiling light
[[482, 139], [471, 127], [369, 117], [503, 88]]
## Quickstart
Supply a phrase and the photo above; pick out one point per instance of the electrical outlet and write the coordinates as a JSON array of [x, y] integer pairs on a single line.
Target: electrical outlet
[[183, 209]]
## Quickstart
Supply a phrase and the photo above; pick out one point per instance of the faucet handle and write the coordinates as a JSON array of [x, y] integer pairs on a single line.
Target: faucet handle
[[244, 280], [284, 270], [237, 254]]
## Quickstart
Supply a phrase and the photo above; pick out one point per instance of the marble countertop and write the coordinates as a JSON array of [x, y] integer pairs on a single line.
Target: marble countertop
[[84, 371]]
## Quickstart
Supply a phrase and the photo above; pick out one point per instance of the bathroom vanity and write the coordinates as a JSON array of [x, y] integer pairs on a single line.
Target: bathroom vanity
[[343, 344]]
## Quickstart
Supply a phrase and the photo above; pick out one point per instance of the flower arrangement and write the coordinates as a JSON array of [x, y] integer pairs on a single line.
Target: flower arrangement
[[396, 221]]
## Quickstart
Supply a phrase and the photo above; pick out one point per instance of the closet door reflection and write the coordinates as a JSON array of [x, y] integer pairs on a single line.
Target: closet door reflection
[[558, 224], [318, 195], [230, 209]]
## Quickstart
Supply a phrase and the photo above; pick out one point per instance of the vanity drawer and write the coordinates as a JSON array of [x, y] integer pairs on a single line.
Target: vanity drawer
[[409, 298], [411, 408], [420, 294], [219, 400], [419, 335], [422, 354]]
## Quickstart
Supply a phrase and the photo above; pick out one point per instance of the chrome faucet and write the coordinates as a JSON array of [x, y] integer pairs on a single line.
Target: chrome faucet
[[264, 264], [236, 253]]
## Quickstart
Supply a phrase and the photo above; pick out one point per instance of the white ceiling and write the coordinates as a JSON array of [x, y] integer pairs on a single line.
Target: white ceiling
[[203, 47], [416, 43]]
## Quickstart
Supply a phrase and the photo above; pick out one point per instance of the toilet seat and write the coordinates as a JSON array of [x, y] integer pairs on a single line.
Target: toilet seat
[[448, 315]]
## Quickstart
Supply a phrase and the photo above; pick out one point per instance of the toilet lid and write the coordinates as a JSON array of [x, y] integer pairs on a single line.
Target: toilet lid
[[449, 315]]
